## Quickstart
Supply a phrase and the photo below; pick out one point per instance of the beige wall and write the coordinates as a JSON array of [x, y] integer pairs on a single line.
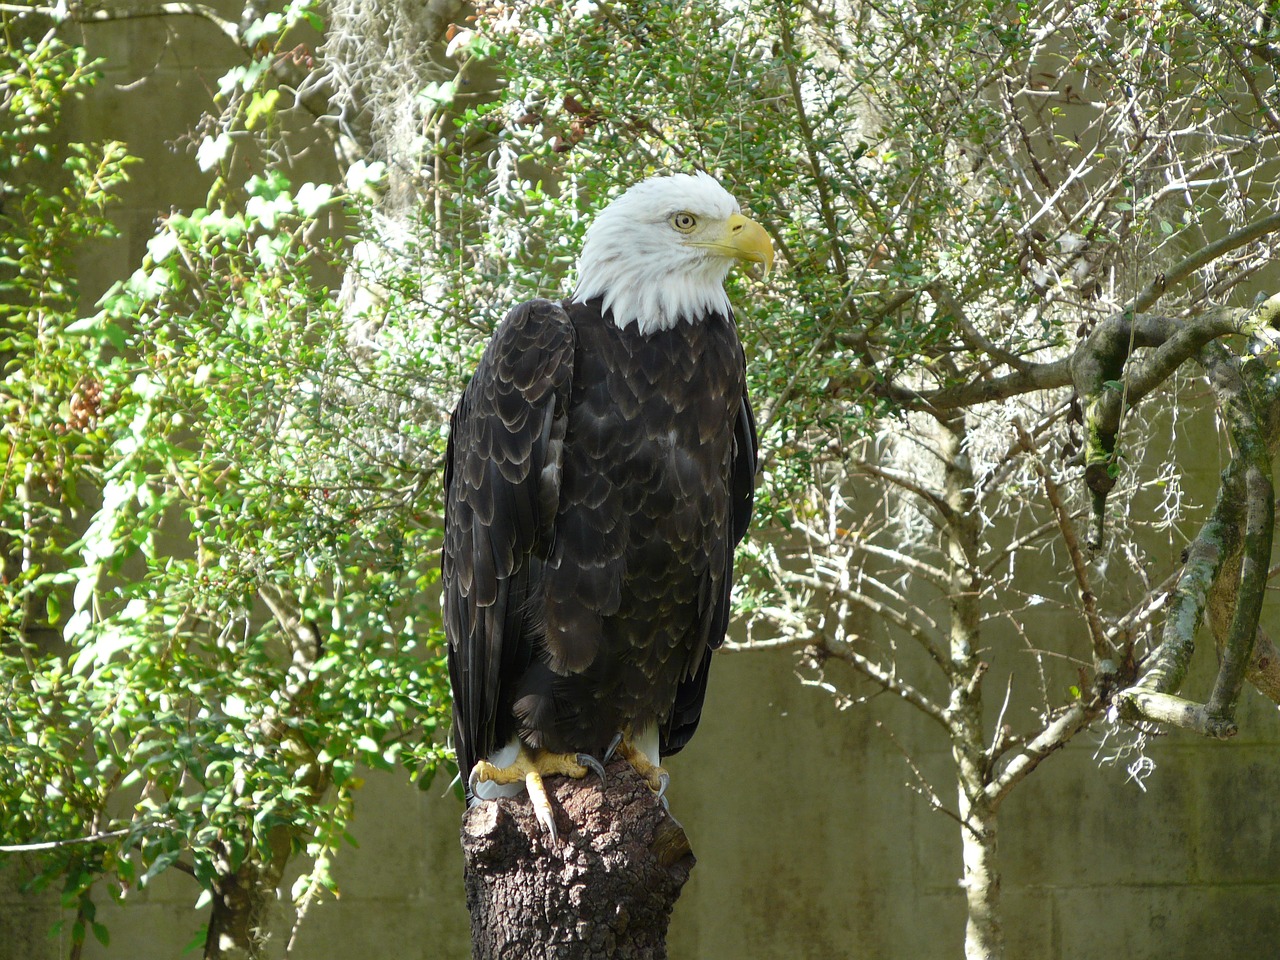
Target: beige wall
[[810, 846], [809, 843]]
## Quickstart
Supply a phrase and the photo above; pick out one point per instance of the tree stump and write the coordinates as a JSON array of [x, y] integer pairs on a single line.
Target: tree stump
[[604, 889]]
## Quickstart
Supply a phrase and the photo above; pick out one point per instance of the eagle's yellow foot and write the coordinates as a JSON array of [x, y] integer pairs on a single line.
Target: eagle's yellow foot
[[658, 779], [530, 767]]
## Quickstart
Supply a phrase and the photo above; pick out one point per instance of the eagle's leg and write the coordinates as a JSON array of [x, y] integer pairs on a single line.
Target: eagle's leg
[[530, 767], [657, 778]]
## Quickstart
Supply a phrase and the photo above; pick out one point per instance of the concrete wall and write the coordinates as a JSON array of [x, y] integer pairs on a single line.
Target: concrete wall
[[810, 844]]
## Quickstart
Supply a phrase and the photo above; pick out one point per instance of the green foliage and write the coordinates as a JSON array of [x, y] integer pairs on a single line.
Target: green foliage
[[50, 401], [54, 200], [220, 524]]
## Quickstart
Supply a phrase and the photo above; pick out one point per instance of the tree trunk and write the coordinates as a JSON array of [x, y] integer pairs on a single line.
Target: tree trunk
[[983, 931], [604, 890], [242, 902], [984, 934]]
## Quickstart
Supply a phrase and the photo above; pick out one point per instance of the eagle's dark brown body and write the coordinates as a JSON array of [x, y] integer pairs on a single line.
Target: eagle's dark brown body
[[597, 482]]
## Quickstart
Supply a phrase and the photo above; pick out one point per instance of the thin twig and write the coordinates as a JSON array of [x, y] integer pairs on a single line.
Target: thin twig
[[73, 841], [1053, 737], [1088, 600]]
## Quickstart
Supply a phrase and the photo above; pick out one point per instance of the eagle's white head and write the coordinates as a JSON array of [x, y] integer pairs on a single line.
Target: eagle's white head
[[660, 252]]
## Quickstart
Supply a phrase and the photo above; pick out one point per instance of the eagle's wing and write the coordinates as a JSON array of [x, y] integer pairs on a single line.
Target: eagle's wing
[[687, 710], [502, 486]]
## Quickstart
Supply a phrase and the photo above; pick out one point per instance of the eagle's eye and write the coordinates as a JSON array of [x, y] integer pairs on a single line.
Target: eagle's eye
[[684, 222]]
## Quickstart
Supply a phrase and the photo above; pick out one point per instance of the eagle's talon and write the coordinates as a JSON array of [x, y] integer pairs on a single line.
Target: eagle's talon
[[657, 778], [613, 745], [483, 770], [530, 767], [541, 804], [594, 765]]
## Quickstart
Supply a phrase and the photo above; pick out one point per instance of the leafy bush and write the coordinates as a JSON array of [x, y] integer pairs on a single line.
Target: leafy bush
[[220, 519]]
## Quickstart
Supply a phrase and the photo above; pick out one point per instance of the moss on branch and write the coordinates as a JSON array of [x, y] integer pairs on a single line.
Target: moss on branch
[[1238, 532], [1109, 381]]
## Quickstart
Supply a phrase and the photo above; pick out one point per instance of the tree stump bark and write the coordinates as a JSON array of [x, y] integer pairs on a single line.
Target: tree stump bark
[[604, 889]]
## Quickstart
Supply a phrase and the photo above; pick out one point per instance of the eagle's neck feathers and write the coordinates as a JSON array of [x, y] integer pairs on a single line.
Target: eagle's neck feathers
[[641, 267], [656, 298]]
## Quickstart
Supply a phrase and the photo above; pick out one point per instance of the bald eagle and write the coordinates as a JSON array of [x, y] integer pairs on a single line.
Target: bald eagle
[[600, 472]]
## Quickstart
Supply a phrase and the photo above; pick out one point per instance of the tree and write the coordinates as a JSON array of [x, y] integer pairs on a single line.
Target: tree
[[215, 532], [1008, 232], [1044, 244]]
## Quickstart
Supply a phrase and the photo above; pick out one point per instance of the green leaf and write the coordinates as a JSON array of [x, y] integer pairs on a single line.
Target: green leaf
[[262, 28], [213, 150], [196, 942], [261, 107], [312, 197], [229, 226], [440, 94], [114, 334], [103, 328], [157, 866]]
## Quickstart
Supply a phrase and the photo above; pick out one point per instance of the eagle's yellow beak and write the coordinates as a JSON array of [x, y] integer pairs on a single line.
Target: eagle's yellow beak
[[742, 239]]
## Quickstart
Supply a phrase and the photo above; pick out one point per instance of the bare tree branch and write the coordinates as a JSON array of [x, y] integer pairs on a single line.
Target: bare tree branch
[[85, 13], [1102, 651], [1243, 515], [1053, 737], [888, 679], [1201, 258]]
